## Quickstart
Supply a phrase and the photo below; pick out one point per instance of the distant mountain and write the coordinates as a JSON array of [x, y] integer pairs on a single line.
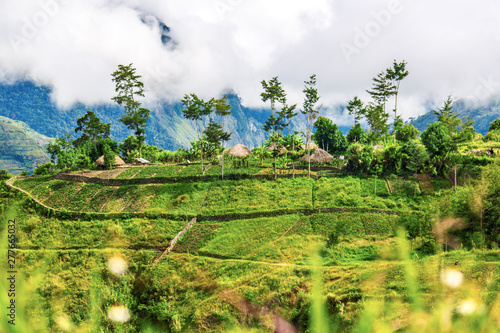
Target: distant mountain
[[19, 150], [167, 128], [483, 115]]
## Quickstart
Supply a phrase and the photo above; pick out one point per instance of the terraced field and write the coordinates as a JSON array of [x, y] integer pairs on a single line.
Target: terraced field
[[261, 243]]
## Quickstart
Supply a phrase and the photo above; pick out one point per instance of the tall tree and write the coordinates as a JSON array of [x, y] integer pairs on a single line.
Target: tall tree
[[396, 74], [129, 89], [289, 113], [383, 88], [377, 120], [308, 108], [92, 129], [215, 137], [196, 108], [355, 108], [447, 116], [328, 136], [222, 108], [273, 92]]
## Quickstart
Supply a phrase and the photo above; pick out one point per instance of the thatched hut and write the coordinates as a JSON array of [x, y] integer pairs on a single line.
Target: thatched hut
[[319, 156], [118, 161], [240, 150], [283, 150], [312, 145]]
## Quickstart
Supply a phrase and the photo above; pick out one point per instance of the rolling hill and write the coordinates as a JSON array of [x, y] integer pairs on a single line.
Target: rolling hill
[[21, 147]]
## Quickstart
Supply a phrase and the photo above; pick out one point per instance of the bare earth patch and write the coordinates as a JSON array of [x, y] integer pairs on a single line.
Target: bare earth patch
[[103, 174]]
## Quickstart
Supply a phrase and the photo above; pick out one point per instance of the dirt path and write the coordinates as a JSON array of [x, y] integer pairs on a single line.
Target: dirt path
[[10, 182]]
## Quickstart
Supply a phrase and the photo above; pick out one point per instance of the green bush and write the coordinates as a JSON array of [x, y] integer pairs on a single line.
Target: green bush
[[45, 169]]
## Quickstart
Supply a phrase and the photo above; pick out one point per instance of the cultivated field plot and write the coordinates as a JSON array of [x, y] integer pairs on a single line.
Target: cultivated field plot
[[221, 197], [46, 233], [251, 195]]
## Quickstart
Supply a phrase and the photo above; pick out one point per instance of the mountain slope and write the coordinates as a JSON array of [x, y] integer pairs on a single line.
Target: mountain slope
[[167, 128], [18, 151], [483, 115]]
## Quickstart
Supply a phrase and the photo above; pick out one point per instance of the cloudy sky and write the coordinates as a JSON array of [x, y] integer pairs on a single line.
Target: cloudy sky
[[451, 46]]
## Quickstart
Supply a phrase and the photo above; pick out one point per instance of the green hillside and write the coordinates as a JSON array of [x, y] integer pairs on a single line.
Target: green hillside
[[20, 150], [256, 256], [167, 128], [482, 114]]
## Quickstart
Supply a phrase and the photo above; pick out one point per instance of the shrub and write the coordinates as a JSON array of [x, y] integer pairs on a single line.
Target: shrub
[[45, 169]]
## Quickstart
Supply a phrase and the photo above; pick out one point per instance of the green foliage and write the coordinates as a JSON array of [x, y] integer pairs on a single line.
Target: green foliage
[[196, 108], [109, 157], [292, 142], [355, 108], [447, 116], [377, 119], [494, 125], [437, 140], [92, 129], [406, 133], [328, 136], [273, 92], [493, 135], [396, 74], [360, 158], [357, 134], [382, 89], [45, 169], [264, 261], [4, 175], [129, 88], [215, 136], [493, 131]]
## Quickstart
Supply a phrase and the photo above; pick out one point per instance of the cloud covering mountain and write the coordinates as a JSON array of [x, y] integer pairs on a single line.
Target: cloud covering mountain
[[213, 46]]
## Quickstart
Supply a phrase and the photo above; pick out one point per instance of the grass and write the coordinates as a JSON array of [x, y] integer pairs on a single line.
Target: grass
[[254, 195], [43, 233], [263, 262]]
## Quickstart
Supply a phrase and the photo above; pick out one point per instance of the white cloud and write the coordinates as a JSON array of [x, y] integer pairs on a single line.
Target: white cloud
[[73, 46]]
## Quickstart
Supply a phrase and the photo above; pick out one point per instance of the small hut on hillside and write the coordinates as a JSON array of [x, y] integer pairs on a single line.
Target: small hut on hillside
[[100, 161], [312, 145], [283, 150], [240, 150], [319, 156]]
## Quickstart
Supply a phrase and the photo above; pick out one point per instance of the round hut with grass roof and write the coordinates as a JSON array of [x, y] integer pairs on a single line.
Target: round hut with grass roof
[[100, 161], [319, 156], [241, 152]]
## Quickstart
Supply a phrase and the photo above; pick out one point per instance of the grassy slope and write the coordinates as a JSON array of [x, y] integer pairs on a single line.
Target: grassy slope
[[19, 152], [265, 260]]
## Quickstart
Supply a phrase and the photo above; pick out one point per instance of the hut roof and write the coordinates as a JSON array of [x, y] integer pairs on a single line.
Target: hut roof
[[240, 150], [118, 161], [312, 145], [319, 156], [283, 150], [142, 160], [378, 147]]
